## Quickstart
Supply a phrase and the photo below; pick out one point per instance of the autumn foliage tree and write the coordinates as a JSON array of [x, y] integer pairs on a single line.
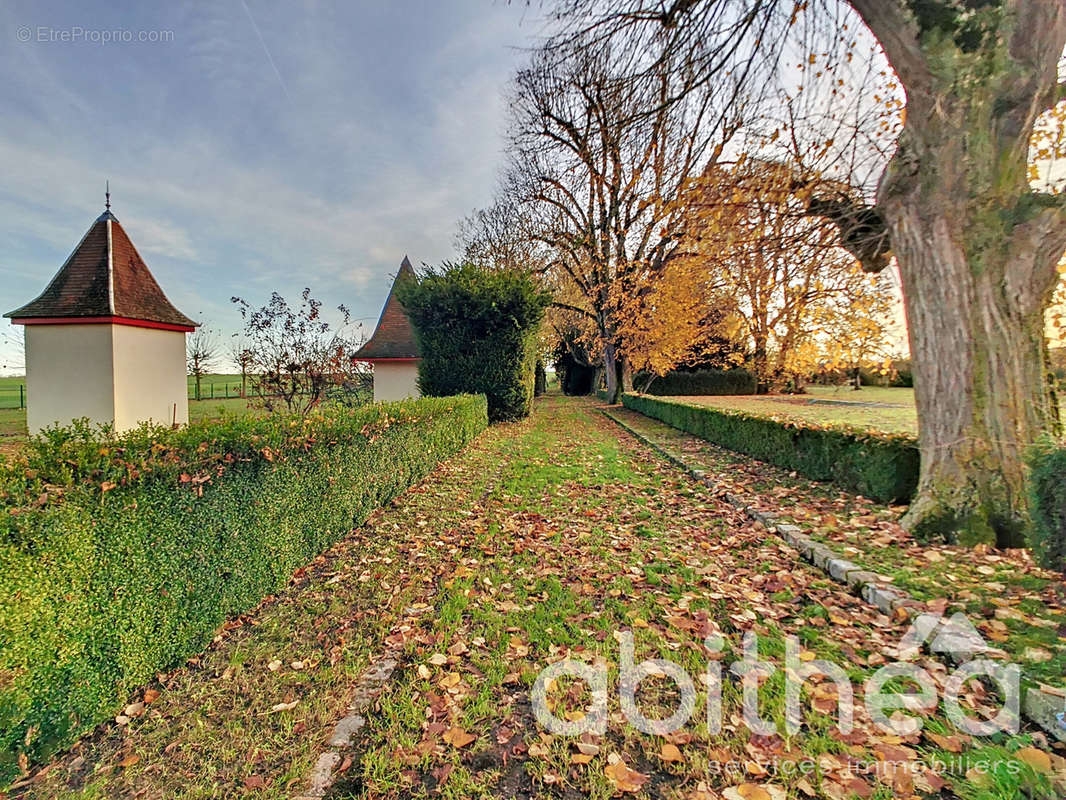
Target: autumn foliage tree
[[599, 155], [976, 243], [793, 295]]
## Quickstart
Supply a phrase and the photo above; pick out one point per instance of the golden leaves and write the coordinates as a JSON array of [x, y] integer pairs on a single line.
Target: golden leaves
[[457, 737], [1037, 759], [621, 776], [670, 753], [752, 791]]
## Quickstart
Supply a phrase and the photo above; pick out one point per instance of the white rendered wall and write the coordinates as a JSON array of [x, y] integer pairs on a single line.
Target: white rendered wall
[[395, 380], [68, 374], [150, 377], [112, 374]]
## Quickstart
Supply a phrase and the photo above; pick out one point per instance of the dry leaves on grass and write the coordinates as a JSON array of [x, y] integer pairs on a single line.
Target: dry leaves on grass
[[621, 776]]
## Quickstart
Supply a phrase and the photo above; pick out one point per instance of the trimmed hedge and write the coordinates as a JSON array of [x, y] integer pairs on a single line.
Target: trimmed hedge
[[121, 556], [1047, 487], [477, 333], [704, 382], [881, 466]]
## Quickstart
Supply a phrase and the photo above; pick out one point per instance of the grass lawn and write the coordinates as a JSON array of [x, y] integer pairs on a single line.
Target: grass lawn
[[222, 384], [891, 410], [885, 409], [548, 538]]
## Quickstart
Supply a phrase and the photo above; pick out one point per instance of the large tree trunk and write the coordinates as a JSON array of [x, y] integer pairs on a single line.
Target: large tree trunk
[[977, 342], [977, 251]]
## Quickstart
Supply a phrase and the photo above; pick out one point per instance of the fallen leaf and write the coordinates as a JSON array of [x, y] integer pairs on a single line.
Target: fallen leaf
[[133, 710], [1036, 655], [1037, 759], [457, 737], [623, 778], [129, 761], [285, 706], [753, 791], [670, 752]]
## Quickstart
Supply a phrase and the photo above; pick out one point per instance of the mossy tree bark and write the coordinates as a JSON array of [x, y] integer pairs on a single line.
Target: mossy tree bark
[[976, 247]]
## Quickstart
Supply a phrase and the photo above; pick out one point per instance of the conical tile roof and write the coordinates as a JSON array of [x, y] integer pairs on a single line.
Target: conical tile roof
[[393, 338], [104, 277]]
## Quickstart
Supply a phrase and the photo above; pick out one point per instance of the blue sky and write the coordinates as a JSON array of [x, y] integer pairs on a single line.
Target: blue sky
[[265, 146]]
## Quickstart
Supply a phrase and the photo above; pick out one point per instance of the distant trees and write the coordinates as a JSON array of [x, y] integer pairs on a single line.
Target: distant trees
[[241, 356], [296, 359], [201, 354], [599, 154]]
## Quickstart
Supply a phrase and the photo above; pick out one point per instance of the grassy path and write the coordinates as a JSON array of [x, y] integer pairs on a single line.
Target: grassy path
[[550, 538], [1015, 604]]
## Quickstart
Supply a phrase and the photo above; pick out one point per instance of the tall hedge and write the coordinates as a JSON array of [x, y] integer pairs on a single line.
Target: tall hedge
[[120, 557], [1047, 486], [477, 333], [704, 382], [878, 465]]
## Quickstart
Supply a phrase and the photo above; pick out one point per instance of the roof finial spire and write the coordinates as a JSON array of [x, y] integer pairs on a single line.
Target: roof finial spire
[[107, 195]]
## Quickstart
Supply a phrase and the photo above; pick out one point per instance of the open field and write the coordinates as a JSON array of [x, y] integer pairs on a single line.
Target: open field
[[215, 386], [222, 385], [13, 420]]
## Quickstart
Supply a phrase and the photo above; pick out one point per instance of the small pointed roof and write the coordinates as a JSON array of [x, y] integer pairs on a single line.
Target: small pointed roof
[[105, 277], [393, 338]]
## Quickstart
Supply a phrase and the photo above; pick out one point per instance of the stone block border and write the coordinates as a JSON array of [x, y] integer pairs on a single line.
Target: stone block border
[[367, 689], [1044, 710]]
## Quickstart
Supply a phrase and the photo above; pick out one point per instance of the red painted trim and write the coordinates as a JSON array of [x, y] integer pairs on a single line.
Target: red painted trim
[[133, 323], [372, 360]]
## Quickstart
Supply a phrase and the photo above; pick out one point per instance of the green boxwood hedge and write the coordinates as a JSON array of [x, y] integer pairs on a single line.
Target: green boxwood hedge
[[1047, 486], [704, 382], [121, 556], [878, 465]]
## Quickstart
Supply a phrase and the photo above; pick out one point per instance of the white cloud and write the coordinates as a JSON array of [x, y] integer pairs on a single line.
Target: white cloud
[[390, 134]]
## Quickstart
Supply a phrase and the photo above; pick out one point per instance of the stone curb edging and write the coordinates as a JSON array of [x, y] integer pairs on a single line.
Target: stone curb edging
[[368, 688], [1042, 709]]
